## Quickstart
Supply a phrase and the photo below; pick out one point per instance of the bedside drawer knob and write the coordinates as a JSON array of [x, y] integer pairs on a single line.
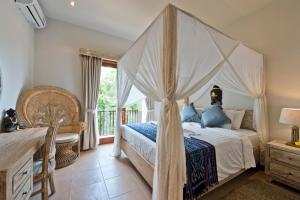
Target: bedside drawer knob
[[24, 193], [24, 173]]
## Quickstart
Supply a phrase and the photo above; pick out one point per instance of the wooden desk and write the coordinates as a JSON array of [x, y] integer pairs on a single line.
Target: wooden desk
[[16, 161]]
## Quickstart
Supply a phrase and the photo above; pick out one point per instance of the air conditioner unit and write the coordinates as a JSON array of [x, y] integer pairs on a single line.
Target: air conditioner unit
[[32, 12]]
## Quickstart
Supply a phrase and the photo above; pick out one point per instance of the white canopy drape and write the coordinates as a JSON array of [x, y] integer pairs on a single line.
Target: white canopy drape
[[150, 115], [124, 86], [134, 96], [175, 57]]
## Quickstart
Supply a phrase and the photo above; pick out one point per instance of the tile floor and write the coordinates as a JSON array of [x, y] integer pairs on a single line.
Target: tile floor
[[99, 176]]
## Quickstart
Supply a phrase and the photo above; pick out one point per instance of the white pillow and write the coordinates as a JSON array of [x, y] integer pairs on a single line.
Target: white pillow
[[227, 126], [230, 115], [236, 117]]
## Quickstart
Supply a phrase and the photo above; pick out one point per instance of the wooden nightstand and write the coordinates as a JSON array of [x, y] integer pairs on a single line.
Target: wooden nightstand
[[283, 163]]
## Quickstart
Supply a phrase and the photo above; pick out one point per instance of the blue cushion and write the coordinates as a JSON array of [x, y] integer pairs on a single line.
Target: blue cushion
[[190, 114], [214, 117]]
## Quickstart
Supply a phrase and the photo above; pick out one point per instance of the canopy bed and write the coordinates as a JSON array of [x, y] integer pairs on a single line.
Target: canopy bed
[[179, 56]]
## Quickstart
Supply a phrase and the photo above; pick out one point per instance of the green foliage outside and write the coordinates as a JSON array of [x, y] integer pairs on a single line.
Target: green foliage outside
[[108, 91]]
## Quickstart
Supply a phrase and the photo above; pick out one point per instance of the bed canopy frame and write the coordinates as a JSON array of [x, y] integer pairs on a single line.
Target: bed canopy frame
[[174, 58]]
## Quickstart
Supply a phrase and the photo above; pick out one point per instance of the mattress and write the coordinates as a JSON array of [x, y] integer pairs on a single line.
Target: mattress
[[234, 148]]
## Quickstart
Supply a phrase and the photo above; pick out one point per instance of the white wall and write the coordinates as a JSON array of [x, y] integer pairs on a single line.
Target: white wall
[[16, 54], [57, 61], [230, 100], [275, 32]]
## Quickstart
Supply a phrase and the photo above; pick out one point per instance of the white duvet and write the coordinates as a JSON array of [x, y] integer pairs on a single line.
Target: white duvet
[[234, 150]]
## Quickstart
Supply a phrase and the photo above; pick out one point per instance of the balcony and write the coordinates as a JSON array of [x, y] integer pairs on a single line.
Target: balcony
[[107, 120]]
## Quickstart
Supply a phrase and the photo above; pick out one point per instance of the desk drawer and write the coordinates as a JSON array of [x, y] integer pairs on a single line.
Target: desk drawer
[[286, 157], [24, 173], [25, 191], [286, 172]]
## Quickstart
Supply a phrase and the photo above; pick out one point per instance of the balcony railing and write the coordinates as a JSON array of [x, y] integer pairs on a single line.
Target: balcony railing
[[132, 116], [107, 120]]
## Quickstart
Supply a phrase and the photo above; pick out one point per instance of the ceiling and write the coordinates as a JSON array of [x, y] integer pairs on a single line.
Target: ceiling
[[129, 18]]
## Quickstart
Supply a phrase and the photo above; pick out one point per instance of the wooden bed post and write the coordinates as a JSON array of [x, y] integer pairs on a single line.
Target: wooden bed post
[[123, 115]]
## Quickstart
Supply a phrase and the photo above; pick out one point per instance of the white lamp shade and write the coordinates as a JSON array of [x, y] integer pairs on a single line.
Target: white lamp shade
[[290, 116]]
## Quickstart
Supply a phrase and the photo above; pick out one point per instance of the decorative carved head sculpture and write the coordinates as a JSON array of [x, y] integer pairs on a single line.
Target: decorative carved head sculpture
[[216, 95], [11, 112], [10, 122]]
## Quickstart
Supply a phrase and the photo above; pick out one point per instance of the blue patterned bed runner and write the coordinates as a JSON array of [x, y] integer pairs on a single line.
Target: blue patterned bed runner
[[201, 166]]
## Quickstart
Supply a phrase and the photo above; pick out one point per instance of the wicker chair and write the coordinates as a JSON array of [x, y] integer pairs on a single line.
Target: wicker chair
[[36, 105], [43, 168]]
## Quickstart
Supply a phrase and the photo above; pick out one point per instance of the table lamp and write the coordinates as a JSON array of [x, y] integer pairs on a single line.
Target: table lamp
[[291, 116]]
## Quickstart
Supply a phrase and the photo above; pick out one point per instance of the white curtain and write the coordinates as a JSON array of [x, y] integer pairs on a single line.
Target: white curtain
[[150, 115], [152, 68], [248, 66], [91, 69], [124, 86], [175, 57], [244, 74], [170, 154]]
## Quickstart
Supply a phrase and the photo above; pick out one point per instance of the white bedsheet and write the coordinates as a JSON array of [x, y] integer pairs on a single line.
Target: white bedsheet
[[144, 146], [234, 148]]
